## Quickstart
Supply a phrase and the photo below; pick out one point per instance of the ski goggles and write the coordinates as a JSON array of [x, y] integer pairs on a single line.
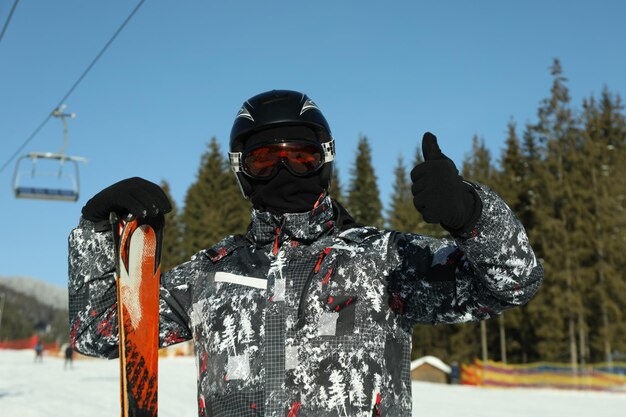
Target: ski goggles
[[300, 157]]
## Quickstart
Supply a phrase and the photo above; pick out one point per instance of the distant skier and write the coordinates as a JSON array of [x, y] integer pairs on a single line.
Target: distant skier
[[69, 357], [39, 351], [308, 314]]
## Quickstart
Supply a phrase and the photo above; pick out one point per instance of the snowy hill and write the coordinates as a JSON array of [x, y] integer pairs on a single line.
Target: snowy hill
[[48, 294], [33, 306]]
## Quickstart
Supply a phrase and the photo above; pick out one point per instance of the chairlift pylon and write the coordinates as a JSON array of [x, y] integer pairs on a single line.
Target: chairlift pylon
[[60, 184]]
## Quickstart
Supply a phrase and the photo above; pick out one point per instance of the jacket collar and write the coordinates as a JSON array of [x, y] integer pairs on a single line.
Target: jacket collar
[[265, 226]]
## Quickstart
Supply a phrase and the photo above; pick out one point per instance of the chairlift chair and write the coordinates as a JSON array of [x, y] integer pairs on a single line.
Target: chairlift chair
[[29, 181]]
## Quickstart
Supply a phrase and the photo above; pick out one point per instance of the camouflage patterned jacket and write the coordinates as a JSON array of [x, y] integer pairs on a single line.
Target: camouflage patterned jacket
[[302, 318]]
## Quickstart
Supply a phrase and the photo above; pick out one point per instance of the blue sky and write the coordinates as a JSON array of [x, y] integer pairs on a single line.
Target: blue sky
[[179, 72]]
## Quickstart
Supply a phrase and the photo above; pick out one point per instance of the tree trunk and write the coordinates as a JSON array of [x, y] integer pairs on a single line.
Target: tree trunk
[[571, 309], [607, 337], [483, 339], [582, 338], [502, 339], [572, 345], [599, 238]]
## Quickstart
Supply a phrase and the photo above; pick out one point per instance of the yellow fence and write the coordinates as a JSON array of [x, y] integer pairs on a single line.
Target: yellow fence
[[598, 377]]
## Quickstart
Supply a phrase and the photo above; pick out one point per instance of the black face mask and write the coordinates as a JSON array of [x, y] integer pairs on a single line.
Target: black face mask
[[286, 193]]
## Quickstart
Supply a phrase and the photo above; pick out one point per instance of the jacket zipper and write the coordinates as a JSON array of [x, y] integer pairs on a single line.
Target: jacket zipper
[[307, 284], [276, 242]]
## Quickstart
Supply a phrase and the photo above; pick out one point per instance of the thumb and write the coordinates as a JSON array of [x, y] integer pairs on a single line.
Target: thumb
[[430, 148]]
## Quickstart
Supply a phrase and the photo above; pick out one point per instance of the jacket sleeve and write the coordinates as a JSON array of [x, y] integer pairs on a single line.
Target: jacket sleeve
[[467, 278], [93, 301]]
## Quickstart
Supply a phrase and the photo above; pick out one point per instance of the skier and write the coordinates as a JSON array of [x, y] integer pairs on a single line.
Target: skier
[[69, 357], [39, 351], [308, 313]]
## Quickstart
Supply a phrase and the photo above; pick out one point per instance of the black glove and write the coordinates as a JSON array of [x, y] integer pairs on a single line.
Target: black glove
[[439, 192], [136, 196]]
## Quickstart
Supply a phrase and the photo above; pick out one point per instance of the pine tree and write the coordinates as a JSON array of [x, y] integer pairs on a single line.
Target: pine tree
[[472, 339], [558, 131], [510, 182], [363, 197], [531, 209], [402, 215], [214, 207], [172, 251], [336, 186], [477, 165], [533, 186], [507, 183], [604, 146]]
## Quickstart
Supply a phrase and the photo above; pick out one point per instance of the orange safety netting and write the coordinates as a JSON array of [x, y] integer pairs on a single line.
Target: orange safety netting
[[597, 377], [28, 343]]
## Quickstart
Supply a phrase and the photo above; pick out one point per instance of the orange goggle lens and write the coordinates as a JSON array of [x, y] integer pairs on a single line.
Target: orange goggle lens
[[300, 158]]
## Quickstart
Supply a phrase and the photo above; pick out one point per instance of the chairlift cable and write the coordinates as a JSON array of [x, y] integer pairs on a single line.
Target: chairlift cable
[[90, 66], [78, 81], [26, 142], [6, 24]]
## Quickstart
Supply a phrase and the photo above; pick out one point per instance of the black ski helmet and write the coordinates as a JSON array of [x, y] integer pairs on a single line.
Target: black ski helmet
[[277, 108]]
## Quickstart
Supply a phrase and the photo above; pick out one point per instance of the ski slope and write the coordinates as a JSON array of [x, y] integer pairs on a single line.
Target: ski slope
[[91, 388]]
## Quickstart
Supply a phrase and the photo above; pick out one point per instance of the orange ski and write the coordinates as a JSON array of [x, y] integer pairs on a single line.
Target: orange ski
[[138, 270]]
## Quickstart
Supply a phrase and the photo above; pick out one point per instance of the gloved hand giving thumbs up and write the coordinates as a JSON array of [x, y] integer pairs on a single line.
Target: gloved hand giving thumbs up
[[439, 192]]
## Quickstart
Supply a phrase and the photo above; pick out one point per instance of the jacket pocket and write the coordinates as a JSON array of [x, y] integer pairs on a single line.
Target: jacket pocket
[[338, 315]]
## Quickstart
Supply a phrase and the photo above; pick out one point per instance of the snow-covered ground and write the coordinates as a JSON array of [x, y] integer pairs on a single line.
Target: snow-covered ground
[[29, 389]]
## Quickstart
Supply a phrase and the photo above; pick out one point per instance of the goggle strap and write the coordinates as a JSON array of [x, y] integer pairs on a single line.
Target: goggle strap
[[329, 150], [235, 161]]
